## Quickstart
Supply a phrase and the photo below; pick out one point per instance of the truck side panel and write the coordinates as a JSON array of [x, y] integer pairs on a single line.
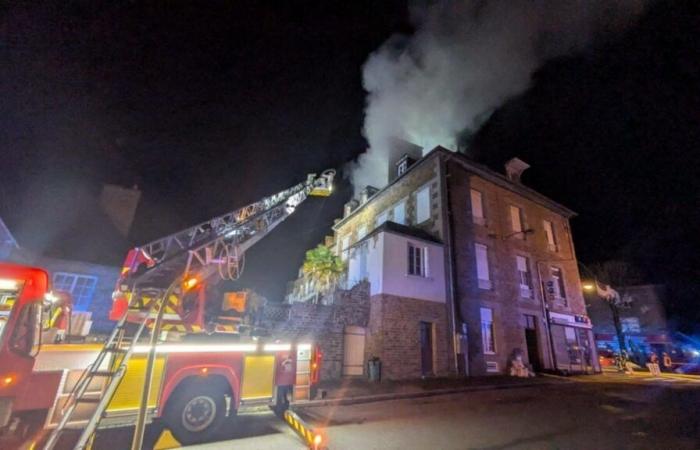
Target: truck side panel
[[39, 391]]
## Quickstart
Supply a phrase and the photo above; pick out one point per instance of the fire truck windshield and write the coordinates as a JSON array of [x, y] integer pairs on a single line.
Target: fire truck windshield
[[9, 292]]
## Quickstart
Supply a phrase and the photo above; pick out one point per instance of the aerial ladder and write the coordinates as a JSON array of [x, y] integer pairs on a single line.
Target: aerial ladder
[[159, 288]]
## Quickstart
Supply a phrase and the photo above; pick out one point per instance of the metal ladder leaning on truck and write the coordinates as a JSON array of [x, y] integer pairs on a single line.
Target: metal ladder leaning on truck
[[207, 370]]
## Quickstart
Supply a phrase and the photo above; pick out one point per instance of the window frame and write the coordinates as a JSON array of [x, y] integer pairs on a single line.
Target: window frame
[[558, 284], [416, 253], [424, 189], [401, 204], [517, 212], [484, 283], [550, 235], [488, 346], [526, 288], [479, 219], [81, 301]]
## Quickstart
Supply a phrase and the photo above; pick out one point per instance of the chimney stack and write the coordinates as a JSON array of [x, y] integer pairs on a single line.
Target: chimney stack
[[349, 208], [366, 193], [515, 168]]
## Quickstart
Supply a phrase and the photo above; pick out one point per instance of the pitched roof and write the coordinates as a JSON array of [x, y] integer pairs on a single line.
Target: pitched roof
[[480, 170]]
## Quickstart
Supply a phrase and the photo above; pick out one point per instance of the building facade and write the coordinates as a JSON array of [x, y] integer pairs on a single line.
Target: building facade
[[467, 268]]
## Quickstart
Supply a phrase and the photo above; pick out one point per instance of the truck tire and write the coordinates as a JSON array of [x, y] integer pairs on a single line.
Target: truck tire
[[196, 412]]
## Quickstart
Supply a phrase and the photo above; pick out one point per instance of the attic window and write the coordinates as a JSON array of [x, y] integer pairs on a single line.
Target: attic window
[[403, 167]]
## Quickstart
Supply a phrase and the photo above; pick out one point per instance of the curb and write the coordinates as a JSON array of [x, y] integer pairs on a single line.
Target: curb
[[407, 395]]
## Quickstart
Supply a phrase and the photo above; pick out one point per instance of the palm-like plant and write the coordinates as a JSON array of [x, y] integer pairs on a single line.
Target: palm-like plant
[[323, 269]]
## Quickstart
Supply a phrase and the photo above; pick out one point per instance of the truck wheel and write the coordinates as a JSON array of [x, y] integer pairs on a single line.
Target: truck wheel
[[195, 412]]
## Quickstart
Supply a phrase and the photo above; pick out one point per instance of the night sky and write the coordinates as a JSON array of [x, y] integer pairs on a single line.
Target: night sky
[[210, 105]]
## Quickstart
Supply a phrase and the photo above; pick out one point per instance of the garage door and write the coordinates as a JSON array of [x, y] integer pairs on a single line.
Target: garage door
[[354, 351]]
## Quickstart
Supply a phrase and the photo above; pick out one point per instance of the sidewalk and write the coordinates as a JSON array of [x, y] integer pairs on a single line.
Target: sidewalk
[[359, 390]]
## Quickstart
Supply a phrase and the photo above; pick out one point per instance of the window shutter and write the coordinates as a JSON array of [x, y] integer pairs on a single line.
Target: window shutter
[[423, 205], [482, 262], [515, 218], [400, 213], [477, 204]]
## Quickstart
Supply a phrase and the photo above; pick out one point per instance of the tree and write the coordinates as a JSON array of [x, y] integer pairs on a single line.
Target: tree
[[323, 269], [615, 276]]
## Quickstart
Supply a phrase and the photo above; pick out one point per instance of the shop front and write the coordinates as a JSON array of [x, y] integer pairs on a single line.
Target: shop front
[[574, 344]]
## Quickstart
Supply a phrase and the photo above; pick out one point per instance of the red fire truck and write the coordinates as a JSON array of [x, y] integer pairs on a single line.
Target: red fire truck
[[209, 367]]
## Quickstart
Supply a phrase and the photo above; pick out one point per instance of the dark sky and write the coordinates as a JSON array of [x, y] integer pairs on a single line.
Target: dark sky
[[210, 105]]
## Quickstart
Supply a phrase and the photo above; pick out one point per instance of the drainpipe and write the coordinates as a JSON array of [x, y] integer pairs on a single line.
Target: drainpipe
[[447, 233]]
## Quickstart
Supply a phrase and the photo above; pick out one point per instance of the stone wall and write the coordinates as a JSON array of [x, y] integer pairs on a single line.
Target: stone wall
[[393, 335], [324, 324]]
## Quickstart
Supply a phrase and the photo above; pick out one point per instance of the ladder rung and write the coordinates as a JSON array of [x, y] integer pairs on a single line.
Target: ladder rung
[[88, 400], [102, 373]]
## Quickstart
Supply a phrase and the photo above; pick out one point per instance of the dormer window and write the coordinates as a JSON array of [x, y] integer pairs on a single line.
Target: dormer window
[[403, 167]]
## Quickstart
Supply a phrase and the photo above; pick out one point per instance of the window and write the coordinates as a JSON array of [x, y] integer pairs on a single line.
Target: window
[[524, 276], [361, 232], [558, 284], [343, 248], [549, 232], [423, 205], [80, 287], [516, 221], [400, 213], [482, 266], [403, 167], [417, 260], [383, 217], [477, 207], [487, 335]]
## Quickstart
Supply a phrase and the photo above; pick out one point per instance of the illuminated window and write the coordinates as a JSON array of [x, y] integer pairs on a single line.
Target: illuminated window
[[477, 207], [482, 266], [488, 339], [417, 260], [80, 287], [423, 205]]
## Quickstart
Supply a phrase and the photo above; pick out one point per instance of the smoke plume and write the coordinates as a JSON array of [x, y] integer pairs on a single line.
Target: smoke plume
[[465, 59]]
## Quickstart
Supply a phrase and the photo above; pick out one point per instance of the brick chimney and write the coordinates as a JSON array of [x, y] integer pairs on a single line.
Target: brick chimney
[[119, 203], [515, 168], [366, 193]]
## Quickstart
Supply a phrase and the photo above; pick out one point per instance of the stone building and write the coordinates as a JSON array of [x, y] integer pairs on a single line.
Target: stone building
[[466, 267]]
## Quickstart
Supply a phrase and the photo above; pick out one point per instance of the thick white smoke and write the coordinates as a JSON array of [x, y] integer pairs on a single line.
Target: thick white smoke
[[465, 59]]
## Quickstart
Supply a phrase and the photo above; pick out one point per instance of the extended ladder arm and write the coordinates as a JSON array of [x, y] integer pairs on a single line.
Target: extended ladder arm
[[216, 244]]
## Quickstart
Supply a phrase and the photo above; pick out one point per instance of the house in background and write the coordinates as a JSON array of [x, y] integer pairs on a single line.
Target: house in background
[[644, 324], [466, 267], [82, 252]]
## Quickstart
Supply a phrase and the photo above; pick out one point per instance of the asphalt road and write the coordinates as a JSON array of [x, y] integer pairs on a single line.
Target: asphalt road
[[651, 414]]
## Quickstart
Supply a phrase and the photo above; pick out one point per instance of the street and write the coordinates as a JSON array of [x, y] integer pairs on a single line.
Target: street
[[595, 414]]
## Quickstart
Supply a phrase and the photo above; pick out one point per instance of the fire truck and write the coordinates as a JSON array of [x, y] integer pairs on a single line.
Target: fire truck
[[177, 354]]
